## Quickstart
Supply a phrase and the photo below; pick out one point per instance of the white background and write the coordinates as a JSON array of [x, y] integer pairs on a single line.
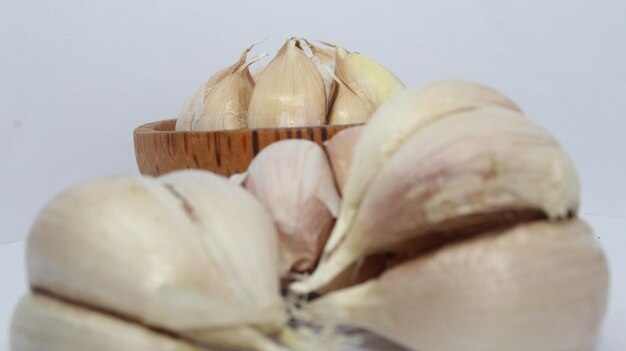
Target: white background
[[77, 76]]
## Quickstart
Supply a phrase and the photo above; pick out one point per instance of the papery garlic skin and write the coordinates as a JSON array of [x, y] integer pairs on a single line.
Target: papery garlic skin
[[480, 168], [340, 150], [143, 248], [289, 93], [294, 181], [540, 286], [369, 80], [41, 323], [194, 109]]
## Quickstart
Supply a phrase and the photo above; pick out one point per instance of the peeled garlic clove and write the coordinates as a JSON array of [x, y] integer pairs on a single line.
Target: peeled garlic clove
[[540, 286], [289, 93], [42, 323], [226, 106], [477, 169], [397, 121], [340, 149], [141, 247], [194, 108], [369, 80], [294, 182]]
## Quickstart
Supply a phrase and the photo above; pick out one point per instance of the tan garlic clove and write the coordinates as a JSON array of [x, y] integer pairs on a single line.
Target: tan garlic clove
[[43, 323], [471, 170], [348, 107], [293, 180], [289, 93], [226, 106], [194, 109], [162, 253], [539, 286], [371, 82], [340, 149]]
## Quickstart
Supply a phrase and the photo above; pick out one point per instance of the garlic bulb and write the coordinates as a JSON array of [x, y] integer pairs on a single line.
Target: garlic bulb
[[289, 93], [293, 180], [172, 252], [540, 286], [222, 108], [43, 323], [340, 149], [370, 81], [472, 169]]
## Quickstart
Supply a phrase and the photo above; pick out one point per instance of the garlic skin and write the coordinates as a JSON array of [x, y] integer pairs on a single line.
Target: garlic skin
[[540, 286], [289, 93], [340, 149], [324, 60], [237, 86], [369, 80], [154, 250], [294, 181], [393, 124], [42, 323], [473, 169]]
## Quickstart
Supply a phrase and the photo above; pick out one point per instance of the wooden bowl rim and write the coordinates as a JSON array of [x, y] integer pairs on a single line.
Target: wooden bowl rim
[[150, 128]]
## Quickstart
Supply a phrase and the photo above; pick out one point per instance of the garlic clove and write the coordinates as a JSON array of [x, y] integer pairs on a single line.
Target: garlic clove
[[193, 109], [141, 247], [289, 93], [539, 286], [294, 182], [369, 80], [348, 107], [43, 323], [340, 149], [471, 170], [396, 122], [226, 105], [324, 60]]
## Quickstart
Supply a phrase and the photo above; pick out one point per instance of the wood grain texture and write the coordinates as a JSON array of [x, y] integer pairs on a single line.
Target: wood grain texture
[[159, 149]]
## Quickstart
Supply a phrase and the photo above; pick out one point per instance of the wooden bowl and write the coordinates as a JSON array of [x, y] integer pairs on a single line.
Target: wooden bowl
[[159, 149]]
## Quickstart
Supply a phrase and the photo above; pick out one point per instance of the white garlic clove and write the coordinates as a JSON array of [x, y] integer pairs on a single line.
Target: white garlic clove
[[194, 108], [540, 286], [226, 105], [141, 247], [393, 124], [293, 180], [476, 169], [340, 149], [289, 93], [41, 323]]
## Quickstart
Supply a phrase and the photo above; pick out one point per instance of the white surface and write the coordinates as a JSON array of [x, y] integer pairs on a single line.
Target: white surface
[[77, 76]]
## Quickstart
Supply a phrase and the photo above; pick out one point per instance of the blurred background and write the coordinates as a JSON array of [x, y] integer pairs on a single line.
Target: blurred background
[[76, 77]]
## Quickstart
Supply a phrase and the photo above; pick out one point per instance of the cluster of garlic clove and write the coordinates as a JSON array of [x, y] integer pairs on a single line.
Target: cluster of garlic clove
[[304, 85], [455, 230]]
